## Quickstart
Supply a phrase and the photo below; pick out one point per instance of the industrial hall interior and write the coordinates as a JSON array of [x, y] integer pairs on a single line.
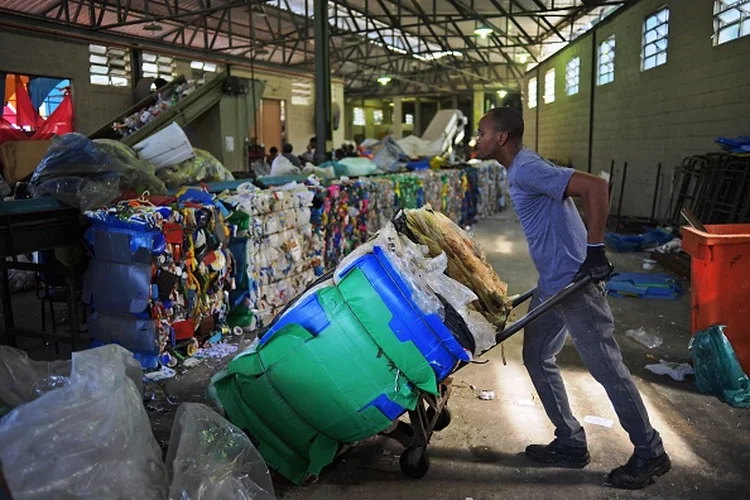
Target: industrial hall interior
[[374, 249]]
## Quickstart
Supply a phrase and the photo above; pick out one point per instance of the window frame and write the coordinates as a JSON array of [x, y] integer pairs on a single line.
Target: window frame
[[599, 56], [549, 90], [532, 91], [577, 85], [355, 115], [103, 62], [655, 42], [742, 22]]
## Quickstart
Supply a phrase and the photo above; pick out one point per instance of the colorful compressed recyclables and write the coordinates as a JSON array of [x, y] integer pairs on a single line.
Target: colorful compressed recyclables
[[157, 273], [339, 366], [277, 251]]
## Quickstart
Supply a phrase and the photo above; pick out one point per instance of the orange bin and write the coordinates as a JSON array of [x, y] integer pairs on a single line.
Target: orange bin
[[721, 282]]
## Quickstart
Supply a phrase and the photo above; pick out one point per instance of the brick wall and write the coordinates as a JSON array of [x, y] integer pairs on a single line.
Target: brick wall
[[647, 117]]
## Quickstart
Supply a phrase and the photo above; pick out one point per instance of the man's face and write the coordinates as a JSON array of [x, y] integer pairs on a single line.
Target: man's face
[[489, 140]]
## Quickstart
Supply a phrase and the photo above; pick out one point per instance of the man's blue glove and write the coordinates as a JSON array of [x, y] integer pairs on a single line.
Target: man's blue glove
[[596, 265]]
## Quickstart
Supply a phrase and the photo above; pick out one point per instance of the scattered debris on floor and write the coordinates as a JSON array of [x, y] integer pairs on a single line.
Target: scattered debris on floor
[[603, 422], [486, 395], [678, 371], [647, 340]]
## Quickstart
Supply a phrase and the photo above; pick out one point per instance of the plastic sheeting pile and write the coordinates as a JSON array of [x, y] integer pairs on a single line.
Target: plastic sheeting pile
[[275, 245], [78, 429], [160, 274], [353, 353]]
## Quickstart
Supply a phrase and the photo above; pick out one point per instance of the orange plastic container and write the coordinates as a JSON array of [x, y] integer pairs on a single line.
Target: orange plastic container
[[720, 271]]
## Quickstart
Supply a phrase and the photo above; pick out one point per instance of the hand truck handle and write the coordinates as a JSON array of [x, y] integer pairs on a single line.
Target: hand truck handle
[[543, 308]]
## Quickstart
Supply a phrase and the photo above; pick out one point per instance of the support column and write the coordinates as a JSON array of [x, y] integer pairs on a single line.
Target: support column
[[398, 119], [454, 102], [322, 81], [417, 129], [478, 107]]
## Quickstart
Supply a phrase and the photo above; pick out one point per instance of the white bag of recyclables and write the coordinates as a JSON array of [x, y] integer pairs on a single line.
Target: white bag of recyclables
[[211, 459], [90, 438], [282, 166]]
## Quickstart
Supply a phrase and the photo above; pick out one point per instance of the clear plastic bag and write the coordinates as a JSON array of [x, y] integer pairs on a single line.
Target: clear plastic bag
[[90, 438], [211, 459], [23, 380]]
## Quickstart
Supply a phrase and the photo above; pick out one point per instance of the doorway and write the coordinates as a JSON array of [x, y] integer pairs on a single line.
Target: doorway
[[270, 119]]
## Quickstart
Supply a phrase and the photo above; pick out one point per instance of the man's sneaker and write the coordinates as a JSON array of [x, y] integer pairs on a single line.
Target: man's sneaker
[[639, 472], [559, 454]]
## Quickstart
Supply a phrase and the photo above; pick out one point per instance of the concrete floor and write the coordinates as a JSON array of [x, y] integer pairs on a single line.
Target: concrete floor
[[480, 456]]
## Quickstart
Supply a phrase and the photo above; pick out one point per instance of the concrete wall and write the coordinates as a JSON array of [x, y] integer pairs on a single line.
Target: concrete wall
[[660, 115], [31, 55], [300, 120]]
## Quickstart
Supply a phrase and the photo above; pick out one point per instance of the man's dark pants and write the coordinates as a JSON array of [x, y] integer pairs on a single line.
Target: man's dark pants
[[589, 320]]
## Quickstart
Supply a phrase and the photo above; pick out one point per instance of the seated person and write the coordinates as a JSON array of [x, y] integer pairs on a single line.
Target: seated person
[[286, 152], [272, 154]]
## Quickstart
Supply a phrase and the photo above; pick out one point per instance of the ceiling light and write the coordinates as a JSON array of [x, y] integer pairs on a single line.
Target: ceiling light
[[153, 27], [384, 80], [522, 58], [483, 31], [502, 93]]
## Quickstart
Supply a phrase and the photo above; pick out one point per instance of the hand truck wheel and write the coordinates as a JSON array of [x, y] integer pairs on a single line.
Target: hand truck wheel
[[443, 420], [414, 462]]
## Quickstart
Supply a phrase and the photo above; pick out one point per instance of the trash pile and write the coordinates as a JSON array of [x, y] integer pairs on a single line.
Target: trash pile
[[353, 352], [160, 275], [78, 429], [88, 174], [204, 167], [164, 101]]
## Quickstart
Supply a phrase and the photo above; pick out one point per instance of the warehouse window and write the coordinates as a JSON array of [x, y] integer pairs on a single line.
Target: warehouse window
[[200, 69], [572, 76], [731, 20], [409, 119], [359, 117], [549, 86], [377, 116], [301, 92], [532, 93], [605, 72], [109, 66], [158, 66], [654, 44]]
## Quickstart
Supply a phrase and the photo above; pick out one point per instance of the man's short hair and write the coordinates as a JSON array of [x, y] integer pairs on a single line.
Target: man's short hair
[[274, 150], [313, 140], [287, 148], [507, 120]]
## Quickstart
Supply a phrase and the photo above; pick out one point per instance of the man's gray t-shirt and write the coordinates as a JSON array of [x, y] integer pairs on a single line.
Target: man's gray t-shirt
[[550, 220]]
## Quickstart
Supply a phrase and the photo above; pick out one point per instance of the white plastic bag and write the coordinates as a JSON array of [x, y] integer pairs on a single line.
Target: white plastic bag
[[211, 459], [282, 166], [88, 439]]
